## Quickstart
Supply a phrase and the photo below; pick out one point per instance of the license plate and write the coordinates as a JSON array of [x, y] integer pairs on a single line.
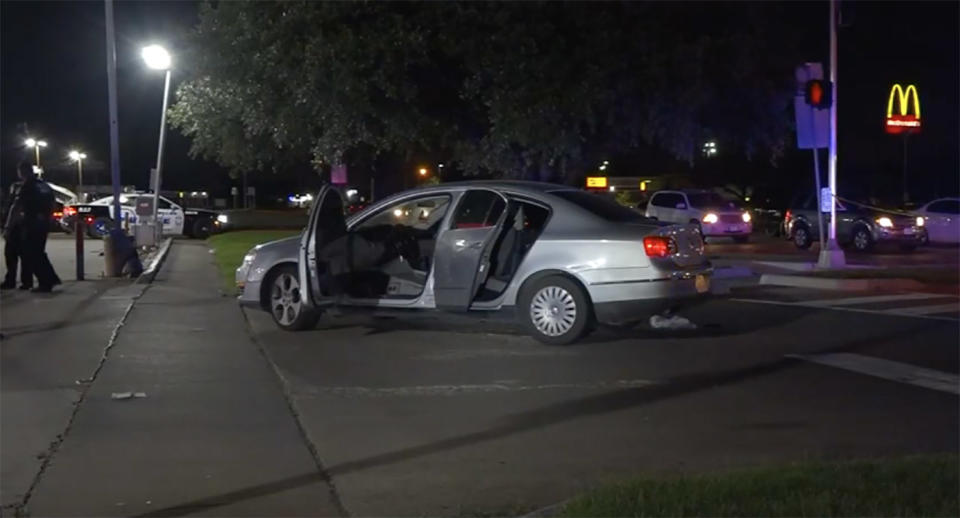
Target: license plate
[[733, 229], [702, 283], [908, 231]]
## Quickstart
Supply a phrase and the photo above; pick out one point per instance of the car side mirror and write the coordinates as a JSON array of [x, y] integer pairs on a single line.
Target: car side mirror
[[681, 205]]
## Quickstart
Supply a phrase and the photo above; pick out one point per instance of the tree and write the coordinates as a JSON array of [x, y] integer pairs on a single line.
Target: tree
[[526, 89]]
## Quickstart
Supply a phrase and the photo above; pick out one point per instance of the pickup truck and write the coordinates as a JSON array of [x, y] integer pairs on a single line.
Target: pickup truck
[[97, 217], [859, 226]]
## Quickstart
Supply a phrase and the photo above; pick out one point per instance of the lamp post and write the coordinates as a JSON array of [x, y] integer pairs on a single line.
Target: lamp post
[[79, 157], [36, 145], [157, 58]]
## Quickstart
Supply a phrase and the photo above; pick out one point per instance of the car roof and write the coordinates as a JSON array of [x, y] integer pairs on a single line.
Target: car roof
[[511, 185]]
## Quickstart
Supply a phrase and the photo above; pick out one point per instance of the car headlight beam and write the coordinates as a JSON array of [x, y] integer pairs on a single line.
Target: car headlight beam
[[222, 218], [746, 217], [920, 221], [885, 222], [710, 218]]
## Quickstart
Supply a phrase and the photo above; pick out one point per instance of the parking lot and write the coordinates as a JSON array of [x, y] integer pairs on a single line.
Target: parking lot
[[462, 417]]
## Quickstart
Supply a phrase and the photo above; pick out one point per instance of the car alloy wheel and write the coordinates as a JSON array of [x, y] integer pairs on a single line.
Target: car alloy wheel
[[285, 301], [801, 238], [861, 240], [553, 311]]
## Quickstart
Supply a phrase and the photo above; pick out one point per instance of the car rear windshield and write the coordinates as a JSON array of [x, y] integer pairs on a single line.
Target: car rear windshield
[[709, 200], [601, 206]]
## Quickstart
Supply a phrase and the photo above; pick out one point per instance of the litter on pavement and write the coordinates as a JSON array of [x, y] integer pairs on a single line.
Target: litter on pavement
[[671, 322], [128, 395]]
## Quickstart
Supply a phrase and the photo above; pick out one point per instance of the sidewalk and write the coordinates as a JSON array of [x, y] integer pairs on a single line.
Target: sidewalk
[[214, 434], [50, 342]]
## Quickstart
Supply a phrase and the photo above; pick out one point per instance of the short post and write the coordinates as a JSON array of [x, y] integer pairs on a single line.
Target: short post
[[78, 227]]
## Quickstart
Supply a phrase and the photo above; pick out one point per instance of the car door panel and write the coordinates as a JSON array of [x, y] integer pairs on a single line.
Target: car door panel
[[325, 224], [462, 258]]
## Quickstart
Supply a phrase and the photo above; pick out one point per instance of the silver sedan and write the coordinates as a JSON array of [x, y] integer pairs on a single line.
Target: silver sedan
[[560, 259]]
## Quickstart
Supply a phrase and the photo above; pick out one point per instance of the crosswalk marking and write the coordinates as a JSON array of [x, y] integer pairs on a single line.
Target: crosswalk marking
[[911, 312], [925, 310], [889, 370], [850, 301]]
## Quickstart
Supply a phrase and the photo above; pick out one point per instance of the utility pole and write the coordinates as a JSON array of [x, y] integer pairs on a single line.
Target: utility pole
[[832, 256]]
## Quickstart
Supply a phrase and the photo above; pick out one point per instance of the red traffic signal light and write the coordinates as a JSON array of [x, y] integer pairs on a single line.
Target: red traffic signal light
[[818, 93]]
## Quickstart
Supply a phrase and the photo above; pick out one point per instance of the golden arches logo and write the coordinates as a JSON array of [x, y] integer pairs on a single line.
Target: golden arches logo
[[898, 92], [903, 122]]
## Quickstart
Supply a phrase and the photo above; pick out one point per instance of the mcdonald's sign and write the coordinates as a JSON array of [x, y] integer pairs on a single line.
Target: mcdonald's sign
[[901, 120]]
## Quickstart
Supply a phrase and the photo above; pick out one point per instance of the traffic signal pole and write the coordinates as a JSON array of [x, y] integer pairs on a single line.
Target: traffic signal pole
[[832, 256]]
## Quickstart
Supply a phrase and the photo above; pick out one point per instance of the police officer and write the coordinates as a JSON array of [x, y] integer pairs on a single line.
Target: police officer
[[13, 241], [36, 200]]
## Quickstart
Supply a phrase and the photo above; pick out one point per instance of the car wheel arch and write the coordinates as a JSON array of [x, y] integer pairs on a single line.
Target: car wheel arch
[[268, 278], [540, 274]]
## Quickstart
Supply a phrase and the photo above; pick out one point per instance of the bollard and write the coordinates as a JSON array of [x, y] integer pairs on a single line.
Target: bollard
[[79, 230], [109, 257]]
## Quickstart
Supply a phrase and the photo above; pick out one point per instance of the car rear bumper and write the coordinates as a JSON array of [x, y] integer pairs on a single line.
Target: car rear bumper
[[624, 302]]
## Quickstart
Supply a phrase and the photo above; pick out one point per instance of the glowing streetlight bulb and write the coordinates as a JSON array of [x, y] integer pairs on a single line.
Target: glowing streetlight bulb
[[423, 171], [77, 156], [156, 57], [30, 142]]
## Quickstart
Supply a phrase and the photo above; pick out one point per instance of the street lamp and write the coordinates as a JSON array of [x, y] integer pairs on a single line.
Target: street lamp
[[423, 171], [36, 145], [78, 157], [157, 58], [710, 148]]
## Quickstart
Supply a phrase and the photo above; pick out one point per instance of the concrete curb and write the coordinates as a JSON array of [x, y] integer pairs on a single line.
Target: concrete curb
[[825, 283], [151, 270]]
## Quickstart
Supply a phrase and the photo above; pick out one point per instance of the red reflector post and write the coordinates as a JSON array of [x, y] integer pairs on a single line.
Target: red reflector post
[[656, 246]]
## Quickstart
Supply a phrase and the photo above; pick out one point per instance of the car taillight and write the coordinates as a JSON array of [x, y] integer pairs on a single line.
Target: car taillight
[[69, 211], [89, 219], [658, 246], [58, 214], [787, 216]]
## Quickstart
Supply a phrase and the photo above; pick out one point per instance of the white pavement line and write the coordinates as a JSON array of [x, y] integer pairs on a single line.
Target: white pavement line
[[889, 370], [925, 310], [876, 298], [841, 308], [453, 390]]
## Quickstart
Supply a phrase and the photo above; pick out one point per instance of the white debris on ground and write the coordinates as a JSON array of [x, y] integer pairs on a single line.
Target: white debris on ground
[[671, 322], [128, 395]]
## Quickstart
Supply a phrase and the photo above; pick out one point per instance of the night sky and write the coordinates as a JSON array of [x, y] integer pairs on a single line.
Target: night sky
[[54, 83]]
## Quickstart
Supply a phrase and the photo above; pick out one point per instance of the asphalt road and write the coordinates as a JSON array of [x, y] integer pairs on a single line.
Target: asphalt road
[[459, 417], [762, 247], [61, 249]]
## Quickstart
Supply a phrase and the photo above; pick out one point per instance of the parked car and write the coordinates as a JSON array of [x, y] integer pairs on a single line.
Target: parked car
[[558, 259], [859, 226], [942, 220], [715, 216], [98, 216]]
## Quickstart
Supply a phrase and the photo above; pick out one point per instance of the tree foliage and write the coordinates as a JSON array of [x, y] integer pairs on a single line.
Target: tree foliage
[[525, 89]]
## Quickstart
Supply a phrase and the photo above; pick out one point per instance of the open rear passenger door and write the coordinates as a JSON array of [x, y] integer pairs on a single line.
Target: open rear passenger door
[[462, 257], [327, 222]]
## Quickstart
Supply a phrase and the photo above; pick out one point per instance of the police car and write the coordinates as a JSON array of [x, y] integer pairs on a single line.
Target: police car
[[97, 216]]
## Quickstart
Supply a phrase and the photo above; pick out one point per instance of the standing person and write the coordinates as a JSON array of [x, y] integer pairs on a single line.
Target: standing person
[[36, 199], [13, 241]]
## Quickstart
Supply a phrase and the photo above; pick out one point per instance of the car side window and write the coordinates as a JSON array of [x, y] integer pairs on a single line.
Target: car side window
[[418, 213], [163, 204], [680, 202], [667, 200], [478, 209], [945, 207]]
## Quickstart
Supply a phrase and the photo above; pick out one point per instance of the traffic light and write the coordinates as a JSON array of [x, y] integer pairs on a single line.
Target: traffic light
[[818, 93]]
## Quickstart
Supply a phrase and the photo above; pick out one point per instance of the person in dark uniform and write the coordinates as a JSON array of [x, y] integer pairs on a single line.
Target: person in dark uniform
[[36, 200], [13, 240]]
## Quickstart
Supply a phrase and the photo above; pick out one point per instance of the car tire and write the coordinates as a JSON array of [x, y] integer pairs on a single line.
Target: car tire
[[801, 237], [555, 310], [741, 239], [283, 301], [861, 240], [201, 228], [99, 227]]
